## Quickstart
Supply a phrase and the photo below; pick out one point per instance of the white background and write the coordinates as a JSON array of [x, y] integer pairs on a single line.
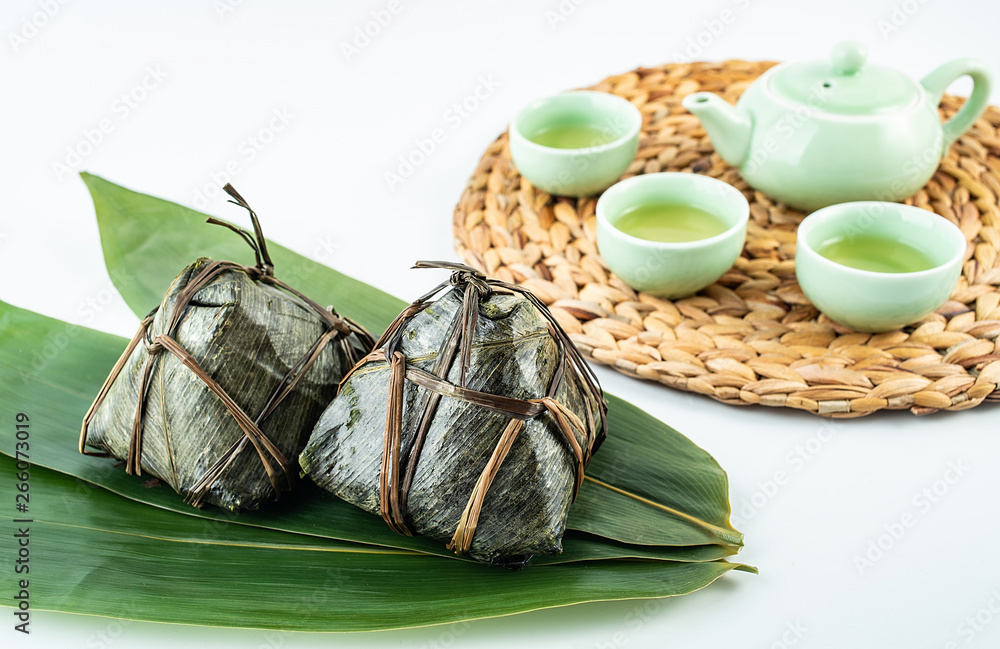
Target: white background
[[218, 72]]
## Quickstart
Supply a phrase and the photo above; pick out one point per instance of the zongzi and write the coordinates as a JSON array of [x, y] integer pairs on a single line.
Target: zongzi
[[217, 392], [471, 422]]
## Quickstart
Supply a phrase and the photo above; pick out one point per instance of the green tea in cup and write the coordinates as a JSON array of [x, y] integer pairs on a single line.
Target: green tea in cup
[[670, 222], [876, 266], [571, 136], [876, 253], [671, 234], [575, 143]]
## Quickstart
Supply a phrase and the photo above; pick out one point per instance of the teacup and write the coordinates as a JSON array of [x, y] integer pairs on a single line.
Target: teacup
[[671, 268], [577, 143], [876, 266]]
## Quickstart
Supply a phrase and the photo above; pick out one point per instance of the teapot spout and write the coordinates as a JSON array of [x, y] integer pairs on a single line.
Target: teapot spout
[[729, 127]]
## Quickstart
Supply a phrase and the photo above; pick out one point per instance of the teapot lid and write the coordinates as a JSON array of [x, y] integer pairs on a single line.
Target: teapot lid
[[845, 84]]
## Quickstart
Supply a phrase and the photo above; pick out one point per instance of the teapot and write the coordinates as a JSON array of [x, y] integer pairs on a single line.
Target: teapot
[[815, 133]]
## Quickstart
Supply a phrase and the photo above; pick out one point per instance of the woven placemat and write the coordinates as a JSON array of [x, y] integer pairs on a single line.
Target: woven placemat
[[753, 337]]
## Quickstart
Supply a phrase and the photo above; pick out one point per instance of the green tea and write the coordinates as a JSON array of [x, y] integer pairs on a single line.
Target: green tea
[[574, 136], [668, 222], [875, 253]]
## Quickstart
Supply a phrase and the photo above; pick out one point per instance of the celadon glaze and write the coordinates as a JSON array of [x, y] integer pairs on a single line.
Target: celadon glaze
[[668, 269], [576, 172], [872, 301], [815, 133]]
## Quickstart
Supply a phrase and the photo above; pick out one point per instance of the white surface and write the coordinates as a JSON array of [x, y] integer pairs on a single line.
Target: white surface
[[320, 186]]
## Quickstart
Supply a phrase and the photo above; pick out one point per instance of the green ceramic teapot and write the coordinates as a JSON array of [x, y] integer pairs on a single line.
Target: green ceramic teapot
[[815, 133]]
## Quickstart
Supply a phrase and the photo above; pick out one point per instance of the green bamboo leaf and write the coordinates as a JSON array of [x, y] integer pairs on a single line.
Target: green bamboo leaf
[[61, 500], [335, 519], [579, 546], [148, 240], [56, 384], [647, 475], [189, 573], [651, 484]]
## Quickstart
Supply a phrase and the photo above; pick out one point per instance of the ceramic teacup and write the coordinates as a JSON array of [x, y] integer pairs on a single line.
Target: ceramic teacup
[[918, 260], [666, 268], [601, 139]]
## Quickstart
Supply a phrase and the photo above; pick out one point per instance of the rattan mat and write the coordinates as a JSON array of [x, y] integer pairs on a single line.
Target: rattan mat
[[753, 337]]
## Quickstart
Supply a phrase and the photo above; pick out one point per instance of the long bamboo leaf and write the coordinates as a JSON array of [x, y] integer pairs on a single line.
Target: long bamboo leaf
[[190, 574], [56, 387], [646, 470], [70, 502], [147, 241]]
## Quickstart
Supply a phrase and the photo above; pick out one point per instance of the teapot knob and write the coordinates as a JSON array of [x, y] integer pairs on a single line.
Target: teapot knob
[[848, 57]]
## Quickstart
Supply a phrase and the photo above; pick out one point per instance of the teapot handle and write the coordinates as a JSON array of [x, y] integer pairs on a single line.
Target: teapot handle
[[938, 81]]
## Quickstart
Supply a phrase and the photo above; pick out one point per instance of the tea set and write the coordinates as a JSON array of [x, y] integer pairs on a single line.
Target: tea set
[[840, 138]]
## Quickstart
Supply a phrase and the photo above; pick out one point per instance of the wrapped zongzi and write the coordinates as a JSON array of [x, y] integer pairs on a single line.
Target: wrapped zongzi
[[220, 387], [471, 422]]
